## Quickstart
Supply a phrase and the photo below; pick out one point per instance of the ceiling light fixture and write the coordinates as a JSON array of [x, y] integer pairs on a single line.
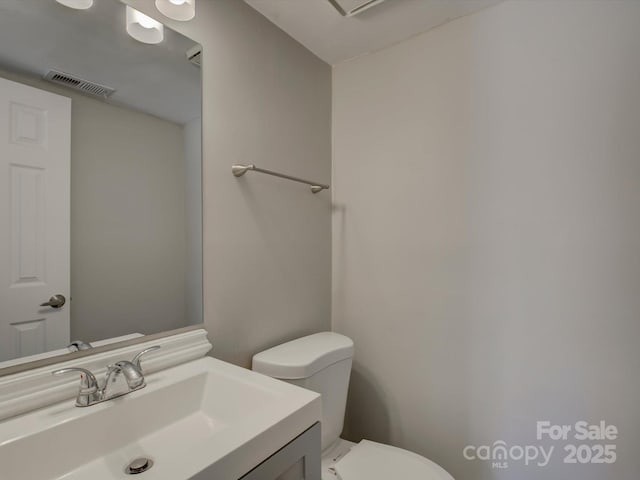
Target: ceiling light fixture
[[143, 28], [77, 4], [182, 10]]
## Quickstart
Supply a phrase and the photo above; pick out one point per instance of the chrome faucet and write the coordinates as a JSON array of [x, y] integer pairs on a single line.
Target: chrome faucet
[[92, 392], [78, 345]]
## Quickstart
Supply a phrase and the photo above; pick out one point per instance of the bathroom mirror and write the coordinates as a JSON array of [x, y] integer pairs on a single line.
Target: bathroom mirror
[[120, 256]]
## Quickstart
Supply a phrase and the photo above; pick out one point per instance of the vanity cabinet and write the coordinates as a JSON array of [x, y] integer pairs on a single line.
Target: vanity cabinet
[[297, 460]]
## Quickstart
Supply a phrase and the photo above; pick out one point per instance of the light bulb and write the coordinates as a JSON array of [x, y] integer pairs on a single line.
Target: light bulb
[[146, 22], [143, 28], [181, 10], [77, 4]]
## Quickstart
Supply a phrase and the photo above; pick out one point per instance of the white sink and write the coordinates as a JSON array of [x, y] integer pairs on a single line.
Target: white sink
[[202, 415]]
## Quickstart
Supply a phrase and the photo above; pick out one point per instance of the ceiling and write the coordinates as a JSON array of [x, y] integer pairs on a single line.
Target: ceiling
[[37, 35], [319, 26]]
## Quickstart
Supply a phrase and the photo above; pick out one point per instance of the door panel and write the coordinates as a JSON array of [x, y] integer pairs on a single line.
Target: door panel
[[35, 136]]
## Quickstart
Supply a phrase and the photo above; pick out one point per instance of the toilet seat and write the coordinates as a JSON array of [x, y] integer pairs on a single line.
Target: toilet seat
[[375, 461]]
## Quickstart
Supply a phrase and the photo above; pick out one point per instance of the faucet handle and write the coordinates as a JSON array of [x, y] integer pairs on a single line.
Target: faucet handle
[[88, 382], [137, 358], [88, 385]]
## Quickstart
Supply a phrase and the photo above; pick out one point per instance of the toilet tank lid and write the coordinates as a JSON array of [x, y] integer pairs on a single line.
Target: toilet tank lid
[[304, 356]]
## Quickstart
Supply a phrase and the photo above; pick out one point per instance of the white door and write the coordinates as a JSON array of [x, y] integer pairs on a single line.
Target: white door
[[35, 161]]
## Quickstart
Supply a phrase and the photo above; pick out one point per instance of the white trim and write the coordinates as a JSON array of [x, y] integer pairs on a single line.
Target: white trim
[[33, 389], [63, 351]]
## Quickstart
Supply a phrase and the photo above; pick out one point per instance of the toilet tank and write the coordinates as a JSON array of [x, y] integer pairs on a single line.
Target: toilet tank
[[319, 362]]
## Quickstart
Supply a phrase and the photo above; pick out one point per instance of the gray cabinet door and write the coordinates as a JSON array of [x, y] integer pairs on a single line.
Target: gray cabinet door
[[298, 460]]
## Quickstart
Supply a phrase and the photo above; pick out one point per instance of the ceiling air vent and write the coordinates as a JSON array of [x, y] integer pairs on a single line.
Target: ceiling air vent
[[194, 55], [71, 81], [349, 8]]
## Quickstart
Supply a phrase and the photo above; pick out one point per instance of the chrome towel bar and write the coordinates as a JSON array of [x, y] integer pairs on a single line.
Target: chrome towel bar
[[239, 170]]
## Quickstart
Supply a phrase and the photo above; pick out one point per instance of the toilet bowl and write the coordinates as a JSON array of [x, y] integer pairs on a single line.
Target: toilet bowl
[[322, 363]]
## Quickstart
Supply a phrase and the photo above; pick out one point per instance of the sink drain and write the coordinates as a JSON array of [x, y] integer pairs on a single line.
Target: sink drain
[[139, 465]]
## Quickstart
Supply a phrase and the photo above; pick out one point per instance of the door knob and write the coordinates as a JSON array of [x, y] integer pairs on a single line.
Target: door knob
[[57, 301]]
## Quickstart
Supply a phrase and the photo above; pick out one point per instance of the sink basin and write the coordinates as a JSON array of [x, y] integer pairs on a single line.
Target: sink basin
[[204, 417]]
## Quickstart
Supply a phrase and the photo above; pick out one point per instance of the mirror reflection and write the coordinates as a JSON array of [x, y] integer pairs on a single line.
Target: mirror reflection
[[100, 167]]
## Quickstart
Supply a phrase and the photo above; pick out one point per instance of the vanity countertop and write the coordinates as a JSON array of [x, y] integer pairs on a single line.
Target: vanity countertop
[[205, 414]]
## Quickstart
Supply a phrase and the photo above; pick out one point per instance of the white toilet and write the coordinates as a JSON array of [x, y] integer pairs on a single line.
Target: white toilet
[[322, 363]]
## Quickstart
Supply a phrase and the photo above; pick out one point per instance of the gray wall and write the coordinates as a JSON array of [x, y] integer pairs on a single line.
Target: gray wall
[[267, 242], [128, 222], [486, 233]]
